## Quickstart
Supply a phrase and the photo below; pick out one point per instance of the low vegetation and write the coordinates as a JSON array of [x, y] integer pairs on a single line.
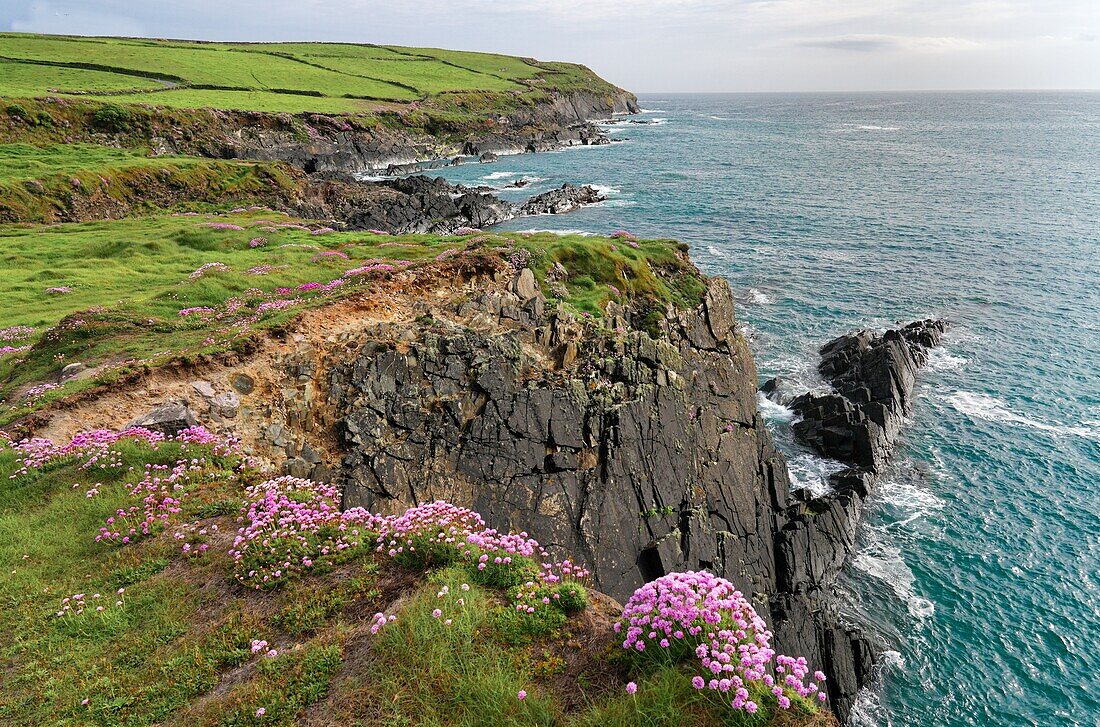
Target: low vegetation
[[125, 295], [135, 596]]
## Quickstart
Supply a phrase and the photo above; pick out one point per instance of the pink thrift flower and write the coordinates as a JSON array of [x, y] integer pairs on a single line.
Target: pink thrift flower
[[522, 695]]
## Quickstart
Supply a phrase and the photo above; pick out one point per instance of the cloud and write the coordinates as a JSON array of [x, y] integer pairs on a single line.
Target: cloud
[[896, 43], [862, 44]]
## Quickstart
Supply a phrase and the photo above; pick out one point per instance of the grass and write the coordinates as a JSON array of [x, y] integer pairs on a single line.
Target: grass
[[128, 280], [175, 646], [60, 182], [333, 78], [26, 161]]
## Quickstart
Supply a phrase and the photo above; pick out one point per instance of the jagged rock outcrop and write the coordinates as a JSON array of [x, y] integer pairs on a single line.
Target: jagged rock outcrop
[[562, 120], [858, 423], [873, 376], [637, 455], [423, 204], [558, 201]]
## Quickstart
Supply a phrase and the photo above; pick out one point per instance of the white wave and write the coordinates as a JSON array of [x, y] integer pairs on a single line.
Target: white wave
[[759, 297], [991, 409], [652, 111], [883, 561], [605, 190], [585, 233], [940, 360], [714, 251], [719, 118], [872, 127], [501, 175], [811, 472], [773, 411], [658, 122], [906, 494]]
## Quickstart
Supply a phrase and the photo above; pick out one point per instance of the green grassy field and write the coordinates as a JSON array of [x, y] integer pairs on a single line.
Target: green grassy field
[[25, 161], [275, 77]]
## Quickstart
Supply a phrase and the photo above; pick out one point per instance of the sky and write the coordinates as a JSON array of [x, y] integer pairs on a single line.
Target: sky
[[661, 45]]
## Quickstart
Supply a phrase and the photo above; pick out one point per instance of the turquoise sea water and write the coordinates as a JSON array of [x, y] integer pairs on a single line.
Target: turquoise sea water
[[979, 561]]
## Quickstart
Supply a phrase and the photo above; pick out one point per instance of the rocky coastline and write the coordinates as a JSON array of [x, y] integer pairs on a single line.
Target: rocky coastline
[[858, 423], [423, 204]]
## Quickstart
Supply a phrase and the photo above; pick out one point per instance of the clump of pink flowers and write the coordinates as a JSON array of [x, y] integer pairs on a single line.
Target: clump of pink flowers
[[701, 615], [221, 226], [200, 310], [208, 268], [59, 290], [15, 333], [623, 235], [257, 242], [290, 525], [463, 231], [328, 255]]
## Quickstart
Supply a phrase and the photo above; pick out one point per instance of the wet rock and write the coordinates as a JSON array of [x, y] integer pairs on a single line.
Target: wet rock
[[488, 157], [873, 376], [558, 201]]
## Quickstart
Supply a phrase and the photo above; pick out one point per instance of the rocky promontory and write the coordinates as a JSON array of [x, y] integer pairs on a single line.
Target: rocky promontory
[[423, 204], [858, 423]]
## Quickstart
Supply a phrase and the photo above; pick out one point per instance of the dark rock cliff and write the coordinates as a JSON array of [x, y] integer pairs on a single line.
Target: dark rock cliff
[[325, 144], [639, 455]]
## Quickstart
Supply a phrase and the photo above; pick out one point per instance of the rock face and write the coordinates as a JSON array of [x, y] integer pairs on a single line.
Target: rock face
[[558, 201], [168, 419], [423, 204], [873, 376], [561, 120], [637, 455], [858, 424]]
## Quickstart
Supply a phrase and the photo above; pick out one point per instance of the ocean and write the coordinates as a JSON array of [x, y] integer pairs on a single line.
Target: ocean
[[979, 559]]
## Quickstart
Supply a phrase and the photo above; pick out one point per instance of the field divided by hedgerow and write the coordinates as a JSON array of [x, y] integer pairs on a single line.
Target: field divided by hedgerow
[[274, 77]]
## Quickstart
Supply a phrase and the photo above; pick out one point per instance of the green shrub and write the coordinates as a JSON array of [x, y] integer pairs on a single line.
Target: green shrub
[[16, 111], [113, 118], [570, 597]]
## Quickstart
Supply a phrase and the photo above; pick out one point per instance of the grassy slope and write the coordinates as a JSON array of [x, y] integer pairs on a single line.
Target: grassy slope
[[290, 77], [174, 646], [136, 272]]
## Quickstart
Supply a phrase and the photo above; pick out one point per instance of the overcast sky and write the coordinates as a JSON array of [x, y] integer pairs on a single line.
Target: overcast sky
[[661, 45]]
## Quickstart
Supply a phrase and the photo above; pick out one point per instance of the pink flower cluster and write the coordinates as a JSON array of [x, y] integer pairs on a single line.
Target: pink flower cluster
[[221, 226], [321, 231], [699, 613], [155, 497], [197, 310], [59, 290], [77, 603], [290, 525], [429, 533], [623, 235], [257, 242], [13, 349], [463, 231], [15, 333], [208, 267], [327, 255]]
